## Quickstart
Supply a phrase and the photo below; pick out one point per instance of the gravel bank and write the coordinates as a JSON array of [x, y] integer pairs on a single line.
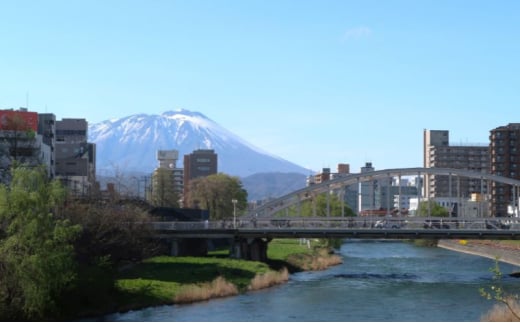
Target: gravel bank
[[484, 248]]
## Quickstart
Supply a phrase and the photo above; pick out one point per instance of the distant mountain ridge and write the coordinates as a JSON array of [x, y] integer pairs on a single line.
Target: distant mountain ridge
[[130, 144], [262, 186]]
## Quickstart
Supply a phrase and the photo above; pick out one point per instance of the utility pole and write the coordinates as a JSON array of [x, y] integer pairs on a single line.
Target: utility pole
[[234, 201]]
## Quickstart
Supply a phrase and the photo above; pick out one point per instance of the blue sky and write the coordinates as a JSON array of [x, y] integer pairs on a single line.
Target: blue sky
[[314, 82]]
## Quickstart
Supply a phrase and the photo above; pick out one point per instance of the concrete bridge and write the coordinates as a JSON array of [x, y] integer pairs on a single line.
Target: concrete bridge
[[251, 233], [250, 236], [347, 227]]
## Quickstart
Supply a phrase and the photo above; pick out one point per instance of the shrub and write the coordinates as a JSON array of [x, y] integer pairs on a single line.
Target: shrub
[[502, 313]]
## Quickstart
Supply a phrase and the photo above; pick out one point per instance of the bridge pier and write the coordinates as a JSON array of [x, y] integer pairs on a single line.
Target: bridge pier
[[250, 249], [196, 247]]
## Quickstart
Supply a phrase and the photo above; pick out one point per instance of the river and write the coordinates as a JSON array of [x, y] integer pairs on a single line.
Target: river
[[379, 280]]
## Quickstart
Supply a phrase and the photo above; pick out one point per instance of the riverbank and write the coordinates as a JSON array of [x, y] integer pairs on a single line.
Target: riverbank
[[175, 280], [505, 251]]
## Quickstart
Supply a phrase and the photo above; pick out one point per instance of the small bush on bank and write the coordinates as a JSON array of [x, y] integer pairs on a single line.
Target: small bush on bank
[[313, 262], [501, 313]]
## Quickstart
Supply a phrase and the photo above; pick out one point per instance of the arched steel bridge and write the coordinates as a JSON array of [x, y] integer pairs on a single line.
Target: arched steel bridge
[[295, 198]]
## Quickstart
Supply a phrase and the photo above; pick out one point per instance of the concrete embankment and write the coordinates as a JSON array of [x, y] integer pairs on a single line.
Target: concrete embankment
[[487, 249]]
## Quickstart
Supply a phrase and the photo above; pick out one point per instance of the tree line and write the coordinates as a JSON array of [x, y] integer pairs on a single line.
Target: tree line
[[59, 256]]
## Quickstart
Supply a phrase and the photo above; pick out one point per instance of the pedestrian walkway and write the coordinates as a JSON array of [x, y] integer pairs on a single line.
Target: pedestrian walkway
[[484, 248]]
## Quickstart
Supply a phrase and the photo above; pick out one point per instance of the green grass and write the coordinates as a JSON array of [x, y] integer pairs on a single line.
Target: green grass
[[281, 249], [512, 243], [293, 255], [157, 280]]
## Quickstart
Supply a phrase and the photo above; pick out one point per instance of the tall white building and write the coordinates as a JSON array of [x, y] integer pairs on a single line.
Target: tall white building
[[366, 193], [174, 183]]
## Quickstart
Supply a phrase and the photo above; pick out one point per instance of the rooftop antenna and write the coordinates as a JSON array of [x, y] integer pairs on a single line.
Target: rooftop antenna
[[27, 100]]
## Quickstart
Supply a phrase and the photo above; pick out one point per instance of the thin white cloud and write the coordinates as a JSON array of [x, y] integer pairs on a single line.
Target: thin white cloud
[[356, 33]]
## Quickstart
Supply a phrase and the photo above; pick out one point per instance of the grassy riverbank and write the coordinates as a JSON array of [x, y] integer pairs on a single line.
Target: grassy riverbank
[[168, 280]]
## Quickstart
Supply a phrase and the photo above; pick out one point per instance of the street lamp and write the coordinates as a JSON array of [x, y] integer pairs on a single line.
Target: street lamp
[[234, 201]]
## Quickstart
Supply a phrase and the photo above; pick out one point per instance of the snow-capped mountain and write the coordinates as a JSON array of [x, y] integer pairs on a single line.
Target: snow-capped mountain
[[130, 144]]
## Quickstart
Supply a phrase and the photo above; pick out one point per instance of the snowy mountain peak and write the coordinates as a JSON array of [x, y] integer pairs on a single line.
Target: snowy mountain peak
[[183, 113], [130, 144]]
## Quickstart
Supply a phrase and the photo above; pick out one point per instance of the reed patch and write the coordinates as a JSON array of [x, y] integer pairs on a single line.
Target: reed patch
[[219, 287], [269, 279]]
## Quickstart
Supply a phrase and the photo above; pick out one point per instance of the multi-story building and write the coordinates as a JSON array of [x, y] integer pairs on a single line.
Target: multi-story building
[[75, 157], [200, 163], [438, 153], [167, 179], [505, 161], [349, 194], [38, 139], [22, 141], [47, 129], [324, 176], [367, 200]]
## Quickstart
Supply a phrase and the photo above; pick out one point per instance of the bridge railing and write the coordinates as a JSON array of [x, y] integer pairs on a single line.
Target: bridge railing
[[368, 223]]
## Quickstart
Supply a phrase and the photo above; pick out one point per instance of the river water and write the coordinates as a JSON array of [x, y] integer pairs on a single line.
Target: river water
[[378, 281]]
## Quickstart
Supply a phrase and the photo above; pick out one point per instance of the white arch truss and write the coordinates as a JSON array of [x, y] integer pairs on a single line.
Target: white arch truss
[[293, 198]]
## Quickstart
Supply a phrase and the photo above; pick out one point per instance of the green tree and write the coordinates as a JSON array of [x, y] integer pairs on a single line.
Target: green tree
[[36, 253], [435, 209], [164, 192], [114, 234], [215, 193], [319, 203]]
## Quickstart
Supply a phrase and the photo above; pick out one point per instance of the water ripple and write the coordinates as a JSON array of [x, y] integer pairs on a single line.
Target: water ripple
[[391, 276]]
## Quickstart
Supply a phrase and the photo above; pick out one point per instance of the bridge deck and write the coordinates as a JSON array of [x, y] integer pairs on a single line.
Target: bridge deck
[[356, 227], [343, 233]]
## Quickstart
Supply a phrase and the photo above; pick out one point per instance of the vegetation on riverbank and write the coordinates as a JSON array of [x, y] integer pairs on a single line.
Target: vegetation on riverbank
[[164, 280], [507, 308], [63, 258], [169, 280], [295, 255]]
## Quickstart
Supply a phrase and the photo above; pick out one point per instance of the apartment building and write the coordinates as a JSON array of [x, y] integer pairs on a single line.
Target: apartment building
[[324, 176], [22, 141], [75, 157], [367, 197], [504, 148], [349, 193], [47, 129], [439, 153]]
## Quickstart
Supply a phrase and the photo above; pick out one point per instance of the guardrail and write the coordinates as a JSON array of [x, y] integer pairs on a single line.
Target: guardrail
[[368, 223]]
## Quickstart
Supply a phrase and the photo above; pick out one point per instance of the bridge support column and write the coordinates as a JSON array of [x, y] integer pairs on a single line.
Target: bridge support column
[[174, 247], [235, 249], [250, 249], [189, 247]]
